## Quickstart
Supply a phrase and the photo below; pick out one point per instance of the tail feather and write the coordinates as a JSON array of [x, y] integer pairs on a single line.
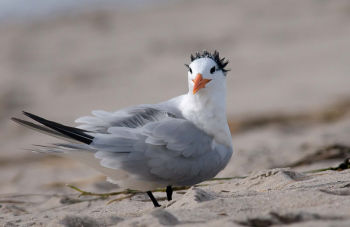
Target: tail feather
[[56, 129], [42, 129]]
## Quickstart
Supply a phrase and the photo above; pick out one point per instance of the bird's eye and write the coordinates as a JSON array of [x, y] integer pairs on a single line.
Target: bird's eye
[[212, 70], [189, 68]]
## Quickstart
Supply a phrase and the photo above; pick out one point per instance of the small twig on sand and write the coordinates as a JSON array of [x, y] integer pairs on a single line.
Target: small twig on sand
[[342, 166], [120, 199], [128, 192], [12, 201], [103, 195]]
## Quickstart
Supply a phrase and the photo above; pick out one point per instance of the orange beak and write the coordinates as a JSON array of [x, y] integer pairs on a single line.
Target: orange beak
[[199, 83]]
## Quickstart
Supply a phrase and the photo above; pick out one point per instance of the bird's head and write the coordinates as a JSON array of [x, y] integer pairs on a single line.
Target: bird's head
[[206, 73]]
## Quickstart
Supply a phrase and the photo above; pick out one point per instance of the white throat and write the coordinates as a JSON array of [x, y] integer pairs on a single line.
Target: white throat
[[208, 112]]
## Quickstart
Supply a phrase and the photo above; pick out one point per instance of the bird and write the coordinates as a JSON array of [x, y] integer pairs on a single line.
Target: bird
[[180, 142]]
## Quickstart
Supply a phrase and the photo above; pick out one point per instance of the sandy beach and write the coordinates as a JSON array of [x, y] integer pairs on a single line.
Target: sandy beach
[[288, 106]]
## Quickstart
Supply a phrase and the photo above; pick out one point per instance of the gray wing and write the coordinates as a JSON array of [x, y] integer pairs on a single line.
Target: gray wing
[[170, 150], [155, 143], [132, 117], [152, 143]]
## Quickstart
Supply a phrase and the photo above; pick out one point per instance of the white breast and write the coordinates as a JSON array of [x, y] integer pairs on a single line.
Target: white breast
[[208, 117]]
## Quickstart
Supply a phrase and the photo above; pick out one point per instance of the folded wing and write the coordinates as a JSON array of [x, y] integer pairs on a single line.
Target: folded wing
[[144, 146], [170, 150]]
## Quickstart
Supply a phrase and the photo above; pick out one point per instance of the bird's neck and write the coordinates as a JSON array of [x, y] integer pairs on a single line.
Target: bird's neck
[[203, 104], [208, 112]]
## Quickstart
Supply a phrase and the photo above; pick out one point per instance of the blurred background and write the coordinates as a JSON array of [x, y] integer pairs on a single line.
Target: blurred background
[[288, 88]]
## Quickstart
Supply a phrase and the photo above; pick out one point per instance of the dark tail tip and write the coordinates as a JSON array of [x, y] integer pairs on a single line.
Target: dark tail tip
[[74, 133]]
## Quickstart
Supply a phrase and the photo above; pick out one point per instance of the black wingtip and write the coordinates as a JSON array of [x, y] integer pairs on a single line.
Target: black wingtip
[[17, 120], [32, 116], [74, 133]]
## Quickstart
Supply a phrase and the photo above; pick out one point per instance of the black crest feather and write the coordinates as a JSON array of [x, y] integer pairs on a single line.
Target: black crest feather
[[221, 62]]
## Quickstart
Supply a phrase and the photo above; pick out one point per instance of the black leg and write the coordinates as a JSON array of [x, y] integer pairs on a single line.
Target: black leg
[[169, 192], [155, 203]]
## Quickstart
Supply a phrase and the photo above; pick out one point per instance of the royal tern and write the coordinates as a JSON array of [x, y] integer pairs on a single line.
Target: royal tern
[[180, 142]]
